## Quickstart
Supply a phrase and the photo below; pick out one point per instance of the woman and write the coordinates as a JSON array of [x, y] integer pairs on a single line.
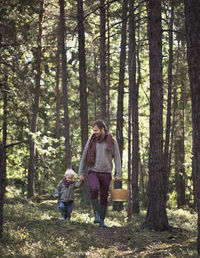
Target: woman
[[97, 157]]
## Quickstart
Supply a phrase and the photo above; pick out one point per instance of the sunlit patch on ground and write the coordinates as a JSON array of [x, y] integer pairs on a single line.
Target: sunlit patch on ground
[[32, 229]]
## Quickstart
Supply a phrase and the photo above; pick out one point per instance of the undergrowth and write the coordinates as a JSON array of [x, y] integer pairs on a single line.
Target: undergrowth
[[32, 229]]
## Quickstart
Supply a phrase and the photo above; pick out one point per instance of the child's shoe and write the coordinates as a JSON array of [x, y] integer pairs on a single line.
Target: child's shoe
[[62, 216]]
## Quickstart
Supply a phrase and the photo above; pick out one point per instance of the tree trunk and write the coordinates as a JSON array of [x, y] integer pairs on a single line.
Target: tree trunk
[[179, 149], [58, 59], [118, 206], [173, 127], [82, 75], [34, 122], [108, 65], [168, 120], [103, 59], [64, 83], [2, 185], [129, 159], [83, 93], [120, 102], [183, 174], [134, 85], [156, 217], [96, 85], [142, 184], [141, 166], [192, 10], [130, 94], [3, 160]]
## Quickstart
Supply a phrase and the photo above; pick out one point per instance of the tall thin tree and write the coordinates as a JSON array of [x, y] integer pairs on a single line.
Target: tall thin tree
[[169, 97], [103, 59], [34, 122], [108, 63], [120, 103], [156, 217], [192, 10], [179, 153], [58, 60], [83, 90], [82, 74], [134, 100], [3, 157], [2, 187], [64, 82]]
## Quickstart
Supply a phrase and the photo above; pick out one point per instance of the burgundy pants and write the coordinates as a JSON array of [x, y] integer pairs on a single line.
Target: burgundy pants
[[99, 181]]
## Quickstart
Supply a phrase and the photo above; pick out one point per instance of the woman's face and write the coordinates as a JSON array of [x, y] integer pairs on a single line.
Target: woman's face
[[98, 131]]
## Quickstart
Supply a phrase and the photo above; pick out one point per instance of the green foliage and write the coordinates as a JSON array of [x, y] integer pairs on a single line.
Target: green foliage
[[19, 24]]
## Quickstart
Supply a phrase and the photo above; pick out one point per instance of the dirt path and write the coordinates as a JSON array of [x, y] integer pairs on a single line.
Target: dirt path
[[33, 230]]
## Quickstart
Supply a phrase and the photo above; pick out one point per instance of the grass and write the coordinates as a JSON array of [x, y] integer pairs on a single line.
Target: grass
[[32, 229]]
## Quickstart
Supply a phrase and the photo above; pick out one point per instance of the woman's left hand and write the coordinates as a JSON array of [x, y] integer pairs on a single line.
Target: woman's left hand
[[119, 179]]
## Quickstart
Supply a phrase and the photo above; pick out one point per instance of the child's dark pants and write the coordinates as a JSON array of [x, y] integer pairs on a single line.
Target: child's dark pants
[[66, 208]]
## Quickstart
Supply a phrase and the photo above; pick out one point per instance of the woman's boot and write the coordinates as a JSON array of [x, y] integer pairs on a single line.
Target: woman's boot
[[102, 216], [95, 206]]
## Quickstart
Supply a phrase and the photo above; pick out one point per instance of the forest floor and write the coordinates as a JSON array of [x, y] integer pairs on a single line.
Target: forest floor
[[32, 229]]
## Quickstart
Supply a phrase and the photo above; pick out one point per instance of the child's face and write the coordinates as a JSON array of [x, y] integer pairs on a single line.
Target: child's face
[[69, 178]]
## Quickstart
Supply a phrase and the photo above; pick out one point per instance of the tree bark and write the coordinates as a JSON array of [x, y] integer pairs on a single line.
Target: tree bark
[[168, 120], [174, 119], [64, 83], [120, 102], [96, 85], [134, 85], [118, 206], [58, 59], [103, 59], [34, 122], [130, 94], [3, 160], [2, 186], [192, 10], [82, 75], [156, 217], [180, 175], [108, 64], [179, 165], [83, 93], [129, 160]]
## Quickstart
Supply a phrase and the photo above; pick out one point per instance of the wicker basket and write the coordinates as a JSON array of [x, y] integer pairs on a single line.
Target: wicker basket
[[119, 195]]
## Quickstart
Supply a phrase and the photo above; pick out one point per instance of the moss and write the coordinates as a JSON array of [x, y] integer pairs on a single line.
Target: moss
[[31, 229]]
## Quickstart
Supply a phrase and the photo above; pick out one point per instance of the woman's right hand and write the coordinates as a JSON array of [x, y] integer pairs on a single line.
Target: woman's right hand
[[81, 178]]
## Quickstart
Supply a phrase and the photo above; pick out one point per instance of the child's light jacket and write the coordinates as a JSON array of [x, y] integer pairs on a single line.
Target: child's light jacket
[[66, 194]]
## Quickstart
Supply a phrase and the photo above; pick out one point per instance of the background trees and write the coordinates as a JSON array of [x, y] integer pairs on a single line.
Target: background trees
[[107, 42]]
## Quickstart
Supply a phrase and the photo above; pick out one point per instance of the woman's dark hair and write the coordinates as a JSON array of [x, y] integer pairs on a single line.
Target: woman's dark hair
[[100, 124]]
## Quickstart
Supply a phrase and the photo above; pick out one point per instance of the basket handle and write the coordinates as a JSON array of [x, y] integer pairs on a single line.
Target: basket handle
[[112, 183]]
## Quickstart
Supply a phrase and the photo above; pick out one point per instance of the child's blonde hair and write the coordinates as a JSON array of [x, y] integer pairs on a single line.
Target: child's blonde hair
[[70, 171]]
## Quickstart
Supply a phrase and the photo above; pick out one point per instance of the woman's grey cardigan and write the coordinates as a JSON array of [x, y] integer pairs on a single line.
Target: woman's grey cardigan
[[104, 159]]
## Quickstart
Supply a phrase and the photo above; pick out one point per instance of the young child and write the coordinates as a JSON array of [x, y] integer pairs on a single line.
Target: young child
[[65, 193]]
